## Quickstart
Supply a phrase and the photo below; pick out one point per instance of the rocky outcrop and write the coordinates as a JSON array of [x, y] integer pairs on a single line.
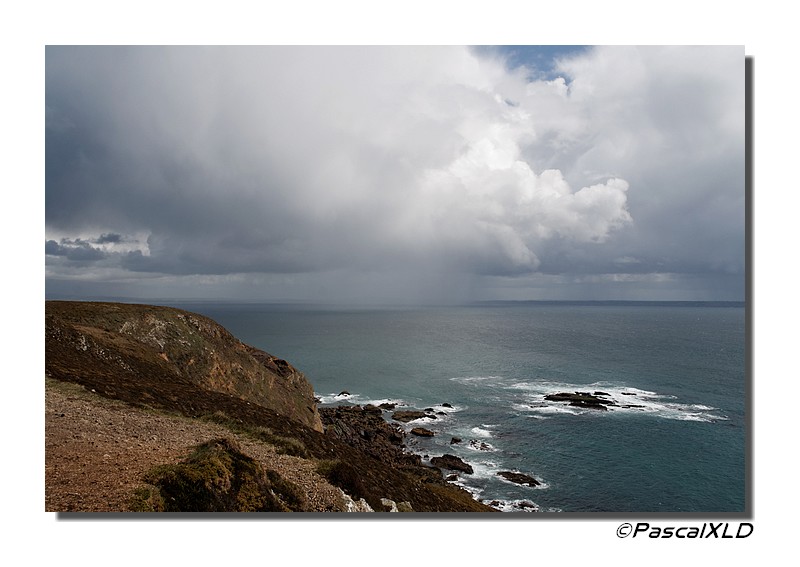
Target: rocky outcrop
[[392, 506], [519, 478], [366, 430], [218, 477], [582, 399], [422, 432], [103, 344], [452, 462], [410, 415]]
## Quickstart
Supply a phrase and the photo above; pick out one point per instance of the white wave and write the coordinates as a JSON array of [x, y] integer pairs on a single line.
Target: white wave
[[513, 505], [478, 432], [482, 469], [376, 402], [627, 399], [554, 409], [357, 399], [481, 446], [448, 409], [332, 398], [474, 380]]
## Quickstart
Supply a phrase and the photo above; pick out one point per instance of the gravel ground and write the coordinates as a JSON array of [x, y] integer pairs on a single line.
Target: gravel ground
[[96, 451]]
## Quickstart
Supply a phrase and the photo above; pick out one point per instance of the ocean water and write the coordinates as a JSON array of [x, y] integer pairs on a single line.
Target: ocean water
[[680, 447]]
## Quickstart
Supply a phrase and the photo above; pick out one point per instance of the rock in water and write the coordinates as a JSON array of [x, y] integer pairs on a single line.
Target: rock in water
[[409, 415], [422, 432], [519, 478], [451, 462]]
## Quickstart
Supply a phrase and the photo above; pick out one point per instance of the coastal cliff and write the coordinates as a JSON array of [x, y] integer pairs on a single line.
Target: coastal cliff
[[167, 411], [114, 345]]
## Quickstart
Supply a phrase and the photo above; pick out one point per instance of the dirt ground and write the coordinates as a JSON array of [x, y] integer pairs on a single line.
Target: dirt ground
[[96, 451]]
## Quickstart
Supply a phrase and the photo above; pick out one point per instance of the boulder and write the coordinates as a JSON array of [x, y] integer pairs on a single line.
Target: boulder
[[451, 462], [422, 432], [369, 408], [404, 506], [519, 478], [455, 440], [409, 415]]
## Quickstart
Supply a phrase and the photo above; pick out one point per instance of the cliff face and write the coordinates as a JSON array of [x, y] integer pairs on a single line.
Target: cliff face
[[165, 350]]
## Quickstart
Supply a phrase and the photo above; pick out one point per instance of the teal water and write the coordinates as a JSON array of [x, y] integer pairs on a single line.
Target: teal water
[[681, 450]]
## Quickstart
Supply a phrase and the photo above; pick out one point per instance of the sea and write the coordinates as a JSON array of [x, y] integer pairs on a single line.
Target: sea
[[674, 442]]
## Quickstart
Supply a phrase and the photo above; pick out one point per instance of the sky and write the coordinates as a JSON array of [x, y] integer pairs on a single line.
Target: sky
[[395, 175]]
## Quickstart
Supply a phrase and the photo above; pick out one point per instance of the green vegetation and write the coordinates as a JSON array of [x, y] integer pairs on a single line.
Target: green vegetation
[[217, 477], [283, 445], [147, 499]]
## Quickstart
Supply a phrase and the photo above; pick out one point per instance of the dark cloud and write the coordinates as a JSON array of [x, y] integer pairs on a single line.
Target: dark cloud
[[110, 238], [393, 164], [74, 250]]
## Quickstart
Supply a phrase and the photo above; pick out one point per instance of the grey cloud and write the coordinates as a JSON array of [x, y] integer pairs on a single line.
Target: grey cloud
[[389, 160], [74, 250], [110, 238]]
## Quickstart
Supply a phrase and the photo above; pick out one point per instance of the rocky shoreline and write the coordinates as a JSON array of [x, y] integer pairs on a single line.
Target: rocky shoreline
[[372, 429]]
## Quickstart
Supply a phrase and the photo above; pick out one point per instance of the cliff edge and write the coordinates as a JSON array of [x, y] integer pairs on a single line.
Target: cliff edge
[[101, 345]]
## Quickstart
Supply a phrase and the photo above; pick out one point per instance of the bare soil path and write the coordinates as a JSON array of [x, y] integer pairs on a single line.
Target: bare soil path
[[97, 450]]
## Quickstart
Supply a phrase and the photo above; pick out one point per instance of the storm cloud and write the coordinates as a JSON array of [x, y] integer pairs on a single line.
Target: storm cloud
[[393, 173]]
